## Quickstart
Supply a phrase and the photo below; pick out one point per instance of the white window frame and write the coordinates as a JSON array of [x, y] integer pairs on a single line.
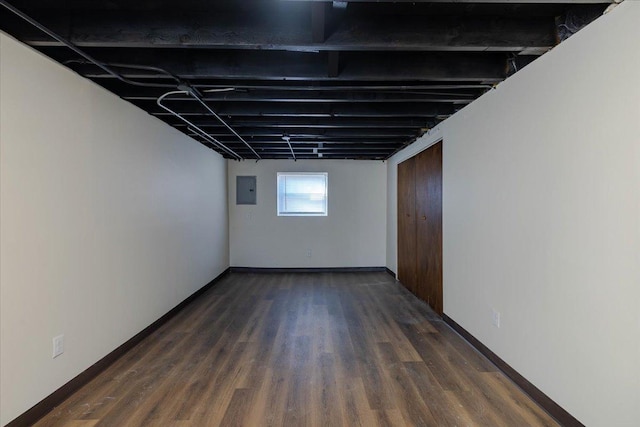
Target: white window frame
[[282, 212]]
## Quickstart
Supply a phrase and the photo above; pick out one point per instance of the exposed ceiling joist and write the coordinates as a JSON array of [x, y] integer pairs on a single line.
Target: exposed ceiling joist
[[456, 1], [301, 66], [354, 79], [370, 33]]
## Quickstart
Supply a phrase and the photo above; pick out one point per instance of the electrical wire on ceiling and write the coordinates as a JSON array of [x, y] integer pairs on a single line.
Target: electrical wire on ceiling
[[205, 135], [187, 89], [182, 86], [184, 90], [194, 128], [77, 50], [288, 141], [157, 70], [222, 89], [358, 88]]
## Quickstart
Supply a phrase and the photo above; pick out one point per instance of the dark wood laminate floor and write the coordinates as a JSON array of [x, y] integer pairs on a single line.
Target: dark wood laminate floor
[[325, 349]]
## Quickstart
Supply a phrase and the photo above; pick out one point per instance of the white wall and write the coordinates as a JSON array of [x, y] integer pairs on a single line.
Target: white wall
[[109, 218], [352, 235], [542, 220]]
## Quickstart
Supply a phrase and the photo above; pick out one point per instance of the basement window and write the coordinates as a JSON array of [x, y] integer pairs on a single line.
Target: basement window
[[302, 194]]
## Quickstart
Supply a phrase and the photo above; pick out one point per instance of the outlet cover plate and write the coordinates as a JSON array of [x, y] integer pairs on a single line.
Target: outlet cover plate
[[58, 345], [495, 318]]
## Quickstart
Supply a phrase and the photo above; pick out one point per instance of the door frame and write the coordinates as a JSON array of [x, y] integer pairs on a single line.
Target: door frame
[[437, 138]]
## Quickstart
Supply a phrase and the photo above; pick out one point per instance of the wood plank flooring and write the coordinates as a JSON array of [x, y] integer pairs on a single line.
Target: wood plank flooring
[[322, 349]]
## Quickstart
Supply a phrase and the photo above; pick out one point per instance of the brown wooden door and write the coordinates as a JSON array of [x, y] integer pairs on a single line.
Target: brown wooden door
[[407, 224], [428, 173]]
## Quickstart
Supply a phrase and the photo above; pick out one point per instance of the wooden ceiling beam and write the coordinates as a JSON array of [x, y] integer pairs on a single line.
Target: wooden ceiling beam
[[301, 124], [249, 109], [352, 33], [296, 66]]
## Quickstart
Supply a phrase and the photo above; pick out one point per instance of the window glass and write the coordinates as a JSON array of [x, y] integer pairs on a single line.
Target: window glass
[[302, 194]]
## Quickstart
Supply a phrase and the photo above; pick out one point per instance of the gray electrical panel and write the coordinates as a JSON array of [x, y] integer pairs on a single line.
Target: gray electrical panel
[[245, 190]]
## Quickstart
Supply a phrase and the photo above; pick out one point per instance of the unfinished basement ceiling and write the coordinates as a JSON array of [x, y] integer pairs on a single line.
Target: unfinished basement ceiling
[[274, 79]]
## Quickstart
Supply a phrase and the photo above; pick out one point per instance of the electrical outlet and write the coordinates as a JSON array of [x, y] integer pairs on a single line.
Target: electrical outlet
[[495, 318], [308, 253], [58, 345]]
